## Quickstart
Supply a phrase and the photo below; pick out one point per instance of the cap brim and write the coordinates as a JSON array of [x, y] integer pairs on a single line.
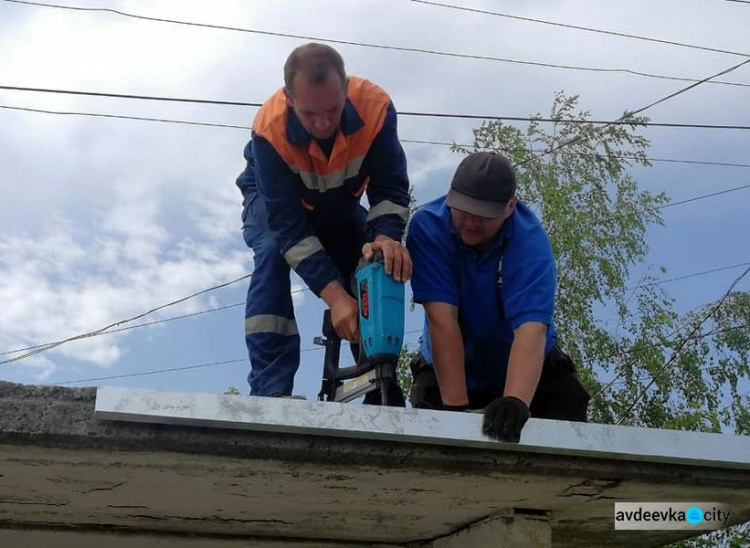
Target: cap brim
[[480, 208]]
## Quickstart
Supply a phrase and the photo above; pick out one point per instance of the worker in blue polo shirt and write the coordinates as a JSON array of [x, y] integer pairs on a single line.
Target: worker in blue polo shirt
[[318, 145], [485, 275]]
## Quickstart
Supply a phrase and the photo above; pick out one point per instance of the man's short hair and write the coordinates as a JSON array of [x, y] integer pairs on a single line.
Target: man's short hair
[[315, 61]]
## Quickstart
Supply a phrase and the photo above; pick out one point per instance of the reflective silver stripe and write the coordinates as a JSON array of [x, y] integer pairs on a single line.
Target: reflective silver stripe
[[354, 165], [386, 207], [268, 323], [302, 250], [321, 183]]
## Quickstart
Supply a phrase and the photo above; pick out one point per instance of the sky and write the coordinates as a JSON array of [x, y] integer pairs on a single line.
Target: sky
[[104, 219]]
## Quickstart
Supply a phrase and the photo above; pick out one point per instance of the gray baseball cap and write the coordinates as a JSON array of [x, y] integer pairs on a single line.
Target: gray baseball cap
[[483, 185]]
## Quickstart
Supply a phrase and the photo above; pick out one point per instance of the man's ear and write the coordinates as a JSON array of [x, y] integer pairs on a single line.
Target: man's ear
[[289, 98], [512, 205]]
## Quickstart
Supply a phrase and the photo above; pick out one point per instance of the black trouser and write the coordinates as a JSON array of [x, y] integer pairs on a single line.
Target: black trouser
[[559, 394]]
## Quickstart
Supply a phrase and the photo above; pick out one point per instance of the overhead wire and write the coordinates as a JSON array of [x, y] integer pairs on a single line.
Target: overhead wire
[[43, 348], [234, 305], [679, 348], [693, 275], [130, 327], [630, 114], [152, 372], [123, 117], [36, 350], [314, 348], [401, 113], [591, 155], [186, 367], [184, 316], [55, 344], [624, 353], [382, 46], [582, 28], [704, 368]]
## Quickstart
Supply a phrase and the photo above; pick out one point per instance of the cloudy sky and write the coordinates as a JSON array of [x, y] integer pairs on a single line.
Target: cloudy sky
[[104, 219]]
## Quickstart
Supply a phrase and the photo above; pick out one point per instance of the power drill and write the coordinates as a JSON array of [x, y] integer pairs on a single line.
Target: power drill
[[380, 300]]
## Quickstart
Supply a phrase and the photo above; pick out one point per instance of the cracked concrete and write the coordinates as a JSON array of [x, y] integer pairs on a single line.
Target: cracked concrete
[[68, 479]]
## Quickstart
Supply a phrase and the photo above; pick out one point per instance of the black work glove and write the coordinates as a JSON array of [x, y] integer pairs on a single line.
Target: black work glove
[[504, 418]]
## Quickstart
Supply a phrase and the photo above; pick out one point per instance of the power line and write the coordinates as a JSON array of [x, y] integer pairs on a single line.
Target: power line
[[659, 345], [186, 367], [145, 324], [585, 29], [616, 379], [234, 305], [615, 216], [630, 351], [121, 117], [628, 115], [381, 46], [139, 97], [687, 276], [401, 113], [52, 345], [705, 367], [128, 320], [592, 155], [413, 141], [677, 351], [703, 197], [211, 310], [314, 348], [675, 161], [153, 372]]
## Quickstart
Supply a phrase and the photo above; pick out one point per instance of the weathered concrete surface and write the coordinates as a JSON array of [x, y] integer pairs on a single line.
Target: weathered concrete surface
[[86, 482], [418, 426], [503, 531]]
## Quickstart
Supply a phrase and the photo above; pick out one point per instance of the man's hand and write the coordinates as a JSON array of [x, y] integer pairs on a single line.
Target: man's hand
[[344, 311], [396, 258], [504, 418]]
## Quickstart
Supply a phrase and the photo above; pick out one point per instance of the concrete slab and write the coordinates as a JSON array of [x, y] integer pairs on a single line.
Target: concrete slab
[[68, 476], [418, 426]]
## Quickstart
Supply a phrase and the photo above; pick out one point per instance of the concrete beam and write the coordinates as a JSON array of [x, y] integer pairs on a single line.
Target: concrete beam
[[508, 530], [419, 426], [65, 473], [61, 538]]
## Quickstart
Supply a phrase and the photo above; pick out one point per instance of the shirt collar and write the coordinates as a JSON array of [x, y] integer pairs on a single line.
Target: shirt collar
[[351, 122]]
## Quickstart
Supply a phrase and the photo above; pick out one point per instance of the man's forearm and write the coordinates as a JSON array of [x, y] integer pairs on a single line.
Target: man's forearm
[[526, 359], [332, 293], [448, 357]]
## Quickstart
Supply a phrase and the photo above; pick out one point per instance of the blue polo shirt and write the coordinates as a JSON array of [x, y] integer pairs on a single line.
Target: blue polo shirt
[[496, 291]]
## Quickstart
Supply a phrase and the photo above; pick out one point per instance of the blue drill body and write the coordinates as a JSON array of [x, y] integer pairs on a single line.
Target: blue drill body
[[381, 312], [380, 300]]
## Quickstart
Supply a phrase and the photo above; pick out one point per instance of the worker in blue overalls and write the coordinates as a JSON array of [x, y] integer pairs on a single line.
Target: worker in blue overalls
[[318, 144]]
